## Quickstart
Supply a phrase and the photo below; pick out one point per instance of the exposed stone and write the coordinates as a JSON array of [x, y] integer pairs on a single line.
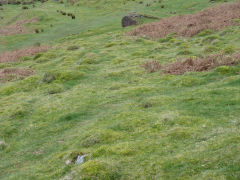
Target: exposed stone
[[134, 19], [68, 162], [128, 21], [2, 144], [80, 159]]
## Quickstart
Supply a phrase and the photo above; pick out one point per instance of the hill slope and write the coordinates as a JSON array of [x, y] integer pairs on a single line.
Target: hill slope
[[90, 94]]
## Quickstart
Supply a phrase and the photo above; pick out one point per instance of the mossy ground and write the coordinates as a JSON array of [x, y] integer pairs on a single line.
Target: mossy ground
[[96, 99]]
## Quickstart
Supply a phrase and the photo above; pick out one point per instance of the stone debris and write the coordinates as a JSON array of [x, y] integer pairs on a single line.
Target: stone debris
[[80, 159]]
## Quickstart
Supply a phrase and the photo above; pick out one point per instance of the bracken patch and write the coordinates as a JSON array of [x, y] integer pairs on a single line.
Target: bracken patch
[[199, 64], [215, 18], [17, 28], [152, 66], [9, 74], [11, 56]]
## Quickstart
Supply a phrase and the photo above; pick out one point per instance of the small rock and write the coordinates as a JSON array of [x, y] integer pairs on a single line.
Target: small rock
[[127, 21], [2, 144], [80, 159], [130, 20], [68, 162]]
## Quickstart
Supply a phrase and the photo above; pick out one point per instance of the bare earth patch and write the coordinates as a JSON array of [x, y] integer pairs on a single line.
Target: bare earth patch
[[17, 28], [11, 56], [9, 74], [196, 65], [215, 18]]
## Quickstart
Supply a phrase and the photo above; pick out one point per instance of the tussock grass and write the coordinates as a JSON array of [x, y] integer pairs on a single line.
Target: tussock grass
[[98, 100]]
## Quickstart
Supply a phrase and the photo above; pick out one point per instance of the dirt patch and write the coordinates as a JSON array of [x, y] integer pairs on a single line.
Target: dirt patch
[[17, 28], [215, 18], [11, 56], [9, 74], [196, 65]]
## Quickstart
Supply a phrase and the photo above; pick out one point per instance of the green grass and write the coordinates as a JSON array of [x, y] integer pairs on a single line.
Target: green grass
[[101, 102], [88, 17]]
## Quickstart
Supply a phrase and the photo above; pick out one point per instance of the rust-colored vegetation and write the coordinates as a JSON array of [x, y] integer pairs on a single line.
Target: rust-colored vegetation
[[10, 56], [9, 74], [190, 65], [17, 28], [215, 18]]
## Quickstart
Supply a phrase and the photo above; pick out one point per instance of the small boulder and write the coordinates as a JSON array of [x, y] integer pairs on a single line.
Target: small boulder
[[135, 19], [128, 21], [80, 159], [2, 144], [68, 162], [131, 19]]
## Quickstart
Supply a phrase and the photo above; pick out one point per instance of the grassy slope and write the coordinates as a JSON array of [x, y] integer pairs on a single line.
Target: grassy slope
[[98, 104], [88, 17]]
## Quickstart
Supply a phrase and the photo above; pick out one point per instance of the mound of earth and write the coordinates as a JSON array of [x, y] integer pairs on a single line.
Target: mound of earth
[[16, 54], [215, 18]]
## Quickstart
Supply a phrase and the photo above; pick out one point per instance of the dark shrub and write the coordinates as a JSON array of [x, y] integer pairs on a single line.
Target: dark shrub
[[72, 48], [36, 31], [24, 7]]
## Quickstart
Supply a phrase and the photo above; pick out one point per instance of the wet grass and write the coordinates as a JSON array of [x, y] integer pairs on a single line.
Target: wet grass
[[97, 99]]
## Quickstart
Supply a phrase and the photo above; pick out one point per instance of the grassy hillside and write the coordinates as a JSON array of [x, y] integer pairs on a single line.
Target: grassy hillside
[[90, 95], [89, 16]]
